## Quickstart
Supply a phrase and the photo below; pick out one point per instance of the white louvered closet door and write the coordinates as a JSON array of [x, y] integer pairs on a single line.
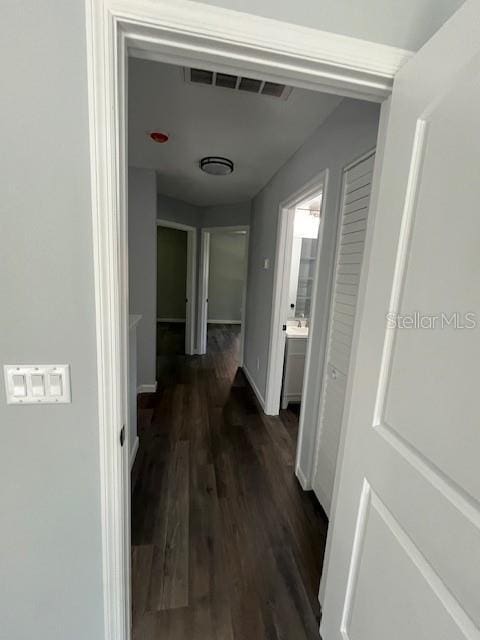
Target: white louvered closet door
[[357, 183]]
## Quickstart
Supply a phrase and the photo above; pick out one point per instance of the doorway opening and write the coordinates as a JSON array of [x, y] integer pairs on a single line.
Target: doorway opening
[[204, 440], [223, 284], [306, 226], [175, 289], [295, 289], [112, 38]]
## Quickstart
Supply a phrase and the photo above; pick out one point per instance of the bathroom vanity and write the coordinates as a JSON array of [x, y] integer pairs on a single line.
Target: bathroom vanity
[[294, 364]]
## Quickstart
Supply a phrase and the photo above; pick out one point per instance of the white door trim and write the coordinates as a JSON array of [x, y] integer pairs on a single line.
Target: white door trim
[[203, 292], [183, 33], [206, 232], [191, 288], [281, 279], [235, 41]]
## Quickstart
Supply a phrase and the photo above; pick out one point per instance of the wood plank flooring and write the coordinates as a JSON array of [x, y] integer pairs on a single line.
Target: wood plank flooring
[[225, 544]]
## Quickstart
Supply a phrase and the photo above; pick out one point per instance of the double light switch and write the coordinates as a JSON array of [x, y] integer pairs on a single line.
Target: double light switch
[[33, 384]]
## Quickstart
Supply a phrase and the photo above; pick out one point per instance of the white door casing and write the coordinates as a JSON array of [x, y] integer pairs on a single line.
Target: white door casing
[[281, 298], [405, 535], [190, 324], [203, 292], [356, 188]]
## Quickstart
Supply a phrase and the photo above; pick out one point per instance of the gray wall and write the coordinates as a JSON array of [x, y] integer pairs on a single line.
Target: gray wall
[[171, 273], [350, 131], [402, 23], [226, 276], [224, 215], [50, 537], [142, 267], [177, 211]]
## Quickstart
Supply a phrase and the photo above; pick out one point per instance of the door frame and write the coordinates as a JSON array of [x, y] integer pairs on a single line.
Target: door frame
[[184, 33], [206, 232], [191, 281], [283, 260]]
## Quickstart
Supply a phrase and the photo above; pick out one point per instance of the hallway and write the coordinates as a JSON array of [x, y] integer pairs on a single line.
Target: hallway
[[226, 545]]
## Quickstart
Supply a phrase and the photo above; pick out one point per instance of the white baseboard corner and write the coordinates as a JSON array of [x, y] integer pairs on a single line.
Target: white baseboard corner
[[302, 478], [147, 388], [133, 452], [254, 387]]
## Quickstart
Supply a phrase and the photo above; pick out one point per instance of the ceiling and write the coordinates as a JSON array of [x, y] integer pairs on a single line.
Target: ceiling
[[257, 132]]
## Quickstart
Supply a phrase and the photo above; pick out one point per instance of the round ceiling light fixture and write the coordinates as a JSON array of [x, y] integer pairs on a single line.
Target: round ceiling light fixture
[[158, 136], [216, 165]]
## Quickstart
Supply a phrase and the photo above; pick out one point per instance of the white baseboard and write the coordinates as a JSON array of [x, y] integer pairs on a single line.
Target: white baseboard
[[302, 478], [224, 322], [171, 320], [147, 388], [133, 452], [252, 383]]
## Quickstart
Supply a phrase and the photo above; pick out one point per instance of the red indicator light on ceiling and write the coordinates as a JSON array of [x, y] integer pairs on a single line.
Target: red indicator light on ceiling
[[158, 136]]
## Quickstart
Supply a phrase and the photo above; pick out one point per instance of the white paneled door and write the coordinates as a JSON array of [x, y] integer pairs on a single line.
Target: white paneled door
[[357, 184], [404, 560]]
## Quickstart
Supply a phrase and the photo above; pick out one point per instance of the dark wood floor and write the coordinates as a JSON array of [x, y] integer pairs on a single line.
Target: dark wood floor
[[226, 546]]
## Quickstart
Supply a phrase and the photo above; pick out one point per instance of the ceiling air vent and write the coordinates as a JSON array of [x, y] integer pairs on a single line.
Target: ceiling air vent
[[237, 83], [200, 76]]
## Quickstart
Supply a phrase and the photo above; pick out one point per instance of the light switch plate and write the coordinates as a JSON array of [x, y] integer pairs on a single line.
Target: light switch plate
[[37, 383]]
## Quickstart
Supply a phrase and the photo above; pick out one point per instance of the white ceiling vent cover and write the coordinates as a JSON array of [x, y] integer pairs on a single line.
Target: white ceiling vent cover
[[238, 83]]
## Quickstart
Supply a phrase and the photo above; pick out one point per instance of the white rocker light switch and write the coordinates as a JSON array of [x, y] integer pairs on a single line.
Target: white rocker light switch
[[37, 384], [19, 385], [55, 384]]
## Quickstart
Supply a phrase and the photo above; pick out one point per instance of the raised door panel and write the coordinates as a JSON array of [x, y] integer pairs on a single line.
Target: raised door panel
[[438, 293]]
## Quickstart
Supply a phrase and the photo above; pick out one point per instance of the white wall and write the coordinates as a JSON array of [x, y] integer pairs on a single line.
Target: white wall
[[226, 276], [402, 23], [50, 536], [350, 131], [142, 267]]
